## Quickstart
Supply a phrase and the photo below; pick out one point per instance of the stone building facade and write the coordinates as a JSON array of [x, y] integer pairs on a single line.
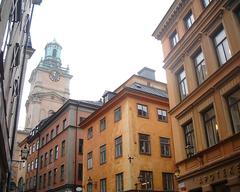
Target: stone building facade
[[16, 49], [201, 46]]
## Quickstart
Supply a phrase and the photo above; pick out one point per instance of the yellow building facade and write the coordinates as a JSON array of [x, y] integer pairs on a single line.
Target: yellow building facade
[[201, 46], [128, 141]]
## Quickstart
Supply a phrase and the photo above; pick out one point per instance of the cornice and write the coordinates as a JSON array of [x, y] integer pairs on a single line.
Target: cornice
[[170, 18]]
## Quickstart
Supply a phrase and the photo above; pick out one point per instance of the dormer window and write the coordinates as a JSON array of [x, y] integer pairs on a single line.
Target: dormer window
[[173, 38], [188, 19]]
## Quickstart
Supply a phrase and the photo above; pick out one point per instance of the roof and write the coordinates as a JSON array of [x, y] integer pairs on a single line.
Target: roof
[[97, 103], [147, 89]]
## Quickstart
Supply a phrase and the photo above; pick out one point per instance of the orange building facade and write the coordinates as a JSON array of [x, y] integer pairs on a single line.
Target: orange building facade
[[201, 46], [128, 141], [55, 159]]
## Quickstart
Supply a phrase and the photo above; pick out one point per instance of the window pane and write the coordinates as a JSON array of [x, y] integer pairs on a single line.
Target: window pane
[[234, 105]]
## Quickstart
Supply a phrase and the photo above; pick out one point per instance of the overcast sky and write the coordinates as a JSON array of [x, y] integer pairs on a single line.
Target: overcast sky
[[104, 42]]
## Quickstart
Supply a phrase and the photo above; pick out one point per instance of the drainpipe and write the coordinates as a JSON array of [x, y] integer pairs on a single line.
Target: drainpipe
[[75, 152]]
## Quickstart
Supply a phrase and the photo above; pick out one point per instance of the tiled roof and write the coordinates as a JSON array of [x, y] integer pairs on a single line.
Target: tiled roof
[[147, 89]]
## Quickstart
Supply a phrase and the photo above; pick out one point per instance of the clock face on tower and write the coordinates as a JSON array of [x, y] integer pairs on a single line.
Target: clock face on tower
[[54, 76]]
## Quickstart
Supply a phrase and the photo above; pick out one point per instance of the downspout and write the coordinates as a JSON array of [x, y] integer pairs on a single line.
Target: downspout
[[75, 153]]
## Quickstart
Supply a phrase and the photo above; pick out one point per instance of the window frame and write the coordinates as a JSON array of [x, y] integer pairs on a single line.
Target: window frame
[[189, 19], [174, 39], [103, 154], [166, 146], [221, 44], [141, 112], [118, 145], [213, 117], [90, 160], [146, 178], [200, 65], [158, 115], [90, 133], [117, 114], [167, 185], [229, 106], [102, 124], [189, 138], [103, 185], [180, 81], [62, 173], [119, 182], [143, 142]]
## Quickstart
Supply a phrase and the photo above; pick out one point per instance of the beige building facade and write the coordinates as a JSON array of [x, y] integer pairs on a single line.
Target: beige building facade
[[16, 49], [201, 46]]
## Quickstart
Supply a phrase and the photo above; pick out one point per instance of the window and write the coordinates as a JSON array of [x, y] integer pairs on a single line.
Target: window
[[47, 138], [49, 178], [80, 147], [142, 110], [51, 135], [165, 147], [206, 2], [64, 123], [211, 127], [57, 129], [32, 165], [90, 133], [40, 182], [30, 150], [45, 159], [200, 66], [37, 145], [56, 152], [28, 167], [62, 173], [43, 141], [119, 182], [118, 147], [63, 148], [173, 39], [146, 180], [80, 171], [89, 187], [221, 46], [117, 114], [36, 163], [182, 84], [102, 124], [54, 175], [44, 180], [90, 160], [103, 157], [103, 185], [41, 161], [144, 144], [189, 139], [50, 156], [162, 115], [237, 13], [234, 108], [167, 181], [188, 20], [33, 148], [81, 119]]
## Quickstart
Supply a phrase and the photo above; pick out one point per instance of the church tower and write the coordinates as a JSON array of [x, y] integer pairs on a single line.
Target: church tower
[[49, 86]]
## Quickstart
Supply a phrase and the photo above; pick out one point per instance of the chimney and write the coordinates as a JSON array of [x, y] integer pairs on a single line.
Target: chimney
[[147, 73]]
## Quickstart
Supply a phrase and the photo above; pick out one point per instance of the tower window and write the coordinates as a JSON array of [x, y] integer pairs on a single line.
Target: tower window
[[54, 53]]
